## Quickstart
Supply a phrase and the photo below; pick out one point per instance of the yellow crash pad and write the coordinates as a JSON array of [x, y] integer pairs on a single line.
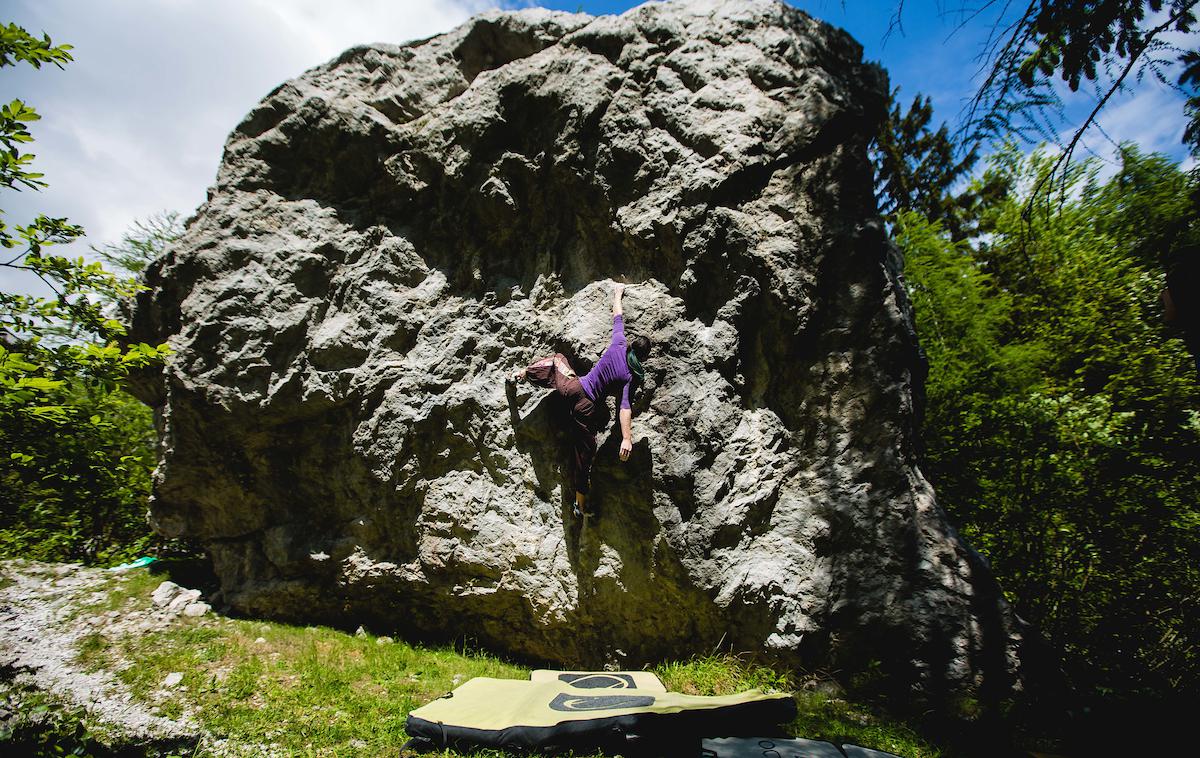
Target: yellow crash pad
[[606, 680]]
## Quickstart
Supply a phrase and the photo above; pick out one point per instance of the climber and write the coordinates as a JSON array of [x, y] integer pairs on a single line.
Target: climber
[[617, 372]]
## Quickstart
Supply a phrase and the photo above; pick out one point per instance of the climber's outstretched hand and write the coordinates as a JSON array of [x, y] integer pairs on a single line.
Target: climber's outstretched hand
[[626, 449]]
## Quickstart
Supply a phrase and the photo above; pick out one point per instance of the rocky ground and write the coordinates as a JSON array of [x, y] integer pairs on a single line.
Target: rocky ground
[[46, 610]]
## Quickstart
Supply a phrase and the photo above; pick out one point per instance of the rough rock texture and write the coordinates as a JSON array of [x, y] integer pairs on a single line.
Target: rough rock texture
[[392, 232]]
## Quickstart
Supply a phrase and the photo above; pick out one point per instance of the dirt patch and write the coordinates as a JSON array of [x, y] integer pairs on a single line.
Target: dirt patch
[[46, 612]]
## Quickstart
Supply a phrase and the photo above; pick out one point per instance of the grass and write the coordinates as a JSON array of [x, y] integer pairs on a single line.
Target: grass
[[824, 717], [129, 588], [93, 651], [303, 690], [317, 691], [720, 675], [820, 716]]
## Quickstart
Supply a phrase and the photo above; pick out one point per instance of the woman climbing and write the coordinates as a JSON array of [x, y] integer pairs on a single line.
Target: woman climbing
[[618, 369]]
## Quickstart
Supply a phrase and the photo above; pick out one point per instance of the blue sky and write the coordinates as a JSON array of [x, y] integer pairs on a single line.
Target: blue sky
[[136, 124]]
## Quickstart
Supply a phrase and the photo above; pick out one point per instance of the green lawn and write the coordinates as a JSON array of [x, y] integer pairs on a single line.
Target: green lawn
[[307, 690]]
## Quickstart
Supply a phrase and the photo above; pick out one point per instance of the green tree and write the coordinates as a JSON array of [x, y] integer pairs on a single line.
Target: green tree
[[918, 169], [1189, 81], [29, 366], [1063, 421], [75, 468], [1105, 44]]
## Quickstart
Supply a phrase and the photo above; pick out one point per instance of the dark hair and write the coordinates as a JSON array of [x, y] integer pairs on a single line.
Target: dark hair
[[640, 345]]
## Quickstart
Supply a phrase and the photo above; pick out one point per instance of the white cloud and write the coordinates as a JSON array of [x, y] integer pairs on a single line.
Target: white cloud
[[1150, 115], [331, 31], [1153, 118], [137, 122]]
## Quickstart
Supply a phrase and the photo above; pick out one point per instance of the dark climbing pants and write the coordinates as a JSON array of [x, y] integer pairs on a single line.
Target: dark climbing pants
[[552, 373]]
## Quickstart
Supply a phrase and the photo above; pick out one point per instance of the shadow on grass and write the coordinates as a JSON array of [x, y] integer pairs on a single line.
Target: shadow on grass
[[192, 572]]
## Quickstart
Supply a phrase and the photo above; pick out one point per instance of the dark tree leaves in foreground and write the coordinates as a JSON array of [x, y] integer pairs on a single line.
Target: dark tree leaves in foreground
[[1105, 43], [1063, 420]]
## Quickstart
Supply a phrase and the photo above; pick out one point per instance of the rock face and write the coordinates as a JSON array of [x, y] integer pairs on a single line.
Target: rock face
[[394, 231]]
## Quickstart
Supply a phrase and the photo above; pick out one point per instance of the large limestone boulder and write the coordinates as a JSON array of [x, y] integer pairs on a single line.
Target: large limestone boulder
[[390, 233]]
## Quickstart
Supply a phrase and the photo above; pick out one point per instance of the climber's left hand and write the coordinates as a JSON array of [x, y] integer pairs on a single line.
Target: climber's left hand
[[626, 449]]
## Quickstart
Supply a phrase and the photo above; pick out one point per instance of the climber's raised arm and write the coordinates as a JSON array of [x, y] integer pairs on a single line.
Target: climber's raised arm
[[618, 332]]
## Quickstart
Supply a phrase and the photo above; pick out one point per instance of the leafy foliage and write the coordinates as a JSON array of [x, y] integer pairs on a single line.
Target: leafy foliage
[[16, 45], [81, 288], [1189, 80], [74, 487], [38, 724], [1071, 37], [44, 727], [916, 168], [77, 452], [1062, 425], [1104, 42]]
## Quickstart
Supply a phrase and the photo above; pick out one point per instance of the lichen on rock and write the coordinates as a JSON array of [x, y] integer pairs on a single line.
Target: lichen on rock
[[392, 232]]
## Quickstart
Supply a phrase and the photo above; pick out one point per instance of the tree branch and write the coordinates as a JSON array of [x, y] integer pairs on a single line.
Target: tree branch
[[1135, 55]]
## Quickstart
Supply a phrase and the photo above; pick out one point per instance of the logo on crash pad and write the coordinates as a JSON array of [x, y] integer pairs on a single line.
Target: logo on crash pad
[[564, 702], [599, 681]]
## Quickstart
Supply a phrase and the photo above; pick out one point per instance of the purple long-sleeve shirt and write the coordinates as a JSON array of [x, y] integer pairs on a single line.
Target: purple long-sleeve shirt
[[611, 372]]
